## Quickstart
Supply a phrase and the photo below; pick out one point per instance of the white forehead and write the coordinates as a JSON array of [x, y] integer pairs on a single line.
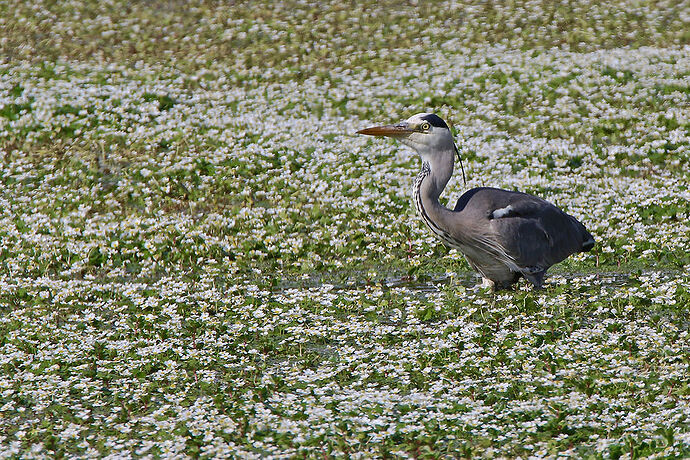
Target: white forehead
[[418, 117], [431, 118]]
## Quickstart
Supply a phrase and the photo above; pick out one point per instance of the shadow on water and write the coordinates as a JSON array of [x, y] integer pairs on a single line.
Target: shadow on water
[[435, 282], [361, 281]]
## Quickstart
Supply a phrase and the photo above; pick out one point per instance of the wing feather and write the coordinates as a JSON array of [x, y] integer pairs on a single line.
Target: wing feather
[[525, 232]]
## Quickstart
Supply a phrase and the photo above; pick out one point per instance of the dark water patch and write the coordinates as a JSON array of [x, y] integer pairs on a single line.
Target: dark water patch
[[435, 282], [361, 281]]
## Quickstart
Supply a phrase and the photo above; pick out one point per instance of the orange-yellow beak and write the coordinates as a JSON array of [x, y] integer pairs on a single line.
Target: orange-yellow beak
[[398, 130]]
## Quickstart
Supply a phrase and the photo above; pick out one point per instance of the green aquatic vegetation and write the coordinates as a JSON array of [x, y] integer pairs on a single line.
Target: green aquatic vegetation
[[199, 258]]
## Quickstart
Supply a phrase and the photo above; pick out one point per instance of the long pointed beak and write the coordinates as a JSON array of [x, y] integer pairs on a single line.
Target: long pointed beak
[[398, 130]]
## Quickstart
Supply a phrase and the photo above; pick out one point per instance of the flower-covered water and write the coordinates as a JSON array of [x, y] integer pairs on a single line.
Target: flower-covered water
[[199, 257]]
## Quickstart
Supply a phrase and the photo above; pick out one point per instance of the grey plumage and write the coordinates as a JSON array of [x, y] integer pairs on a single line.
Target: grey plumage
[[503, 234]]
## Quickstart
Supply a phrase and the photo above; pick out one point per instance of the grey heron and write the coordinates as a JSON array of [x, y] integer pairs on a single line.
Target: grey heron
[[503, 234]]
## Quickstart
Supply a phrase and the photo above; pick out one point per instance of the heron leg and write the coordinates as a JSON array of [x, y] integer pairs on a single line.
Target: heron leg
[[536, 278], [488, 284]]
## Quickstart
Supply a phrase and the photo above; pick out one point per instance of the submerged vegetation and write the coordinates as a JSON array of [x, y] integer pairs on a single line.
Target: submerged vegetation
[[199, 257]]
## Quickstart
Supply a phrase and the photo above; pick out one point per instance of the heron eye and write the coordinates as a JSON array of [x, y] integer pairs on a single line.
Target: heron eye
[[425, 126]]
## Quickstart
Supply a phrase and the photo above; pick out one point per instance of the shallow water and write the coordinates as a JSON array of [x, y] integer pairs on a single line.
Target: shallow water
[[434, 282]]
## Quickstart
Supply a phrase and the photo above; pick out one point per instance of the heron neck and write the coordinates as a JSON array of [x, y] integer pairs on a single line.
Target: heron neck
[[432, 179], [440, 170]]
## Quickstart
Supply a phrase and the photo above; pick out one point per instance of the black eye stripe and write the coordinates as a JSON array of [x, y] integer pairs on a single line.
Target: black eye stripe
[[435, 121]]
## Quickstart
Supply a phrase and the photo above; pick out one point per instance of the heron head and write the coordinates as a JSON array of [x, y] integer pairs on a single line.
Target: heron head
[[427, 133]]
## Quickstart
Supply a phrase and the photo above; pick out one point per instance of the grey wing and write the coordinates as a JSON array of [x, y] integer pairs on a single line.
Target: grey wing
[[535, 233]]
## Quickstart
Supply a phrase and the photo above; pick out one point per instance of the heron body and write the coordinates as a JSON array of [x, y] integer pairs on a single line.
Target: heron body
[[504, 235]]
